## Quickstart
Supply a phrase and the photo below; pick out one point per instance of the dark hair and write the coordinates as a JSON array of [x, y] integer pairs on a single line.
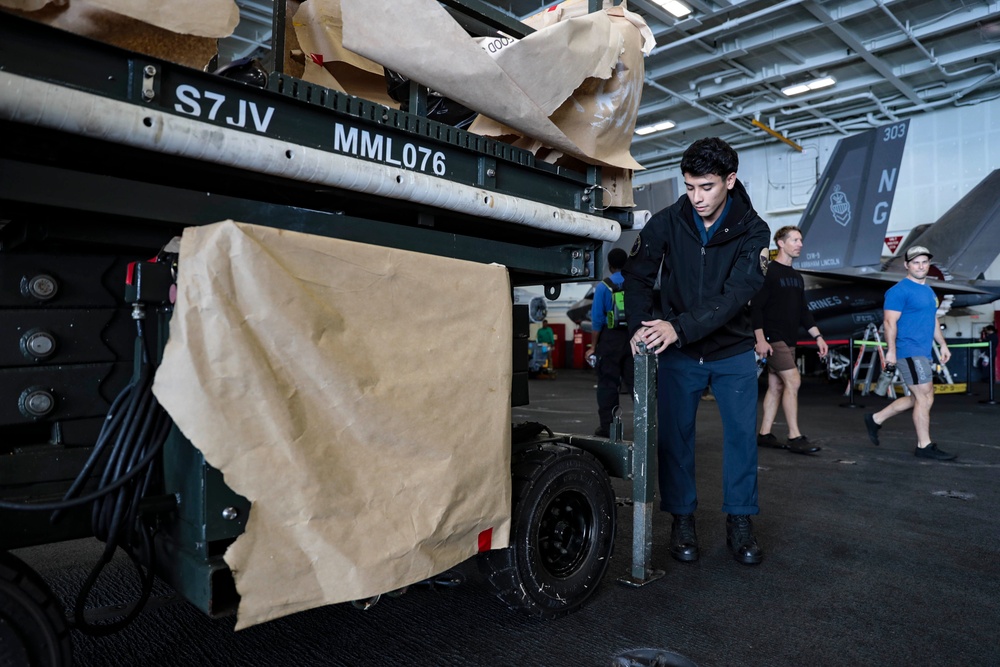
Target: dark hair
[[782, 233], [710, 156], [617, 258]]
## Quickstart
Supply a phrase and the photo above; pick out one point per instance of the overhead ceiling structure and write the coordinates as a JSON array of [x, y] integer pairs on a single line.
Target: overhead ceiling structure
[[725, 68], [252, 36]]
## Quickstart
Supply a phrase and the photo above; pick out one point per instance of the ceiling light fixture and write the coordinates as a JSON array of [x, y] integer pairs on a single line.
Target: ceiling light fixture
[[800, 88], [659, 127], [678, 9]]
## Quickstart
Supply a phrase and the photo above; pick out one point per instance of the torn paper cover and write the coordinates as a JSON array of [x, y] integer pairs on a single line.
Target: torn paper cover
[[358, 396], [526, 84], [200, 18], [90, 19], [319, 31]]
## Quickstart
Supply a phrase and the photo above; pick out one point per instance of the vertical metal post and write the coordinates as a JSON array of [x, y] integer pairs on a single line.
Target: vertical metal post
[[278, 36], [990, 380], [643, 471], [418, 99], [850, 377], [968, 367]]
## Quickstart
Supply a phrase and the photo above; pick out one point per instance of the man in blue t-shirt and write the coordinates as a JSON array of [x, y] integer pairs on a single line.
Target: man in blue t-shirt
[[611, 344], [911, 325]]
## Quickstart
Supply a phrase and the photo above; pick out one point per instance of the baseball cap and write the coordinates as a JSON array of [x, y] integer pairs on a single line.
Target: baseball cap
[[916, 251]]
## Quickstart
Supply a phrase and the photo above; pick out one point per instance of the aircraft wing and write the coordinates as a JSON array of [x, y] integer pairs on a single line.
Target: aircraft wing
[[890, 278], [966, 239]]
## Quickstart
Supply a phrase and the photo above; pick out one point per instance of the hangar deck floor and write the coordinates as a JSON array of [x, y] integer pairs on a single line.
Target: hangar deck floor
[[873, 557]]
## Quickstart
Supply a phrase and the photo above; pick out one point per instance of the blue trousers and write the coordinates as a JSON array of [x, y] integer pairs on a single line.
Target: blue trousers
[[681, 381]]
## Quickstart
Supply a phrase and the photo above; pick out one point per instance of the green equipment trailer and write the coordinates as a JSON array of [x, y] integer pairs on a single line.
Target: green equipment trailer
[[88, 207]]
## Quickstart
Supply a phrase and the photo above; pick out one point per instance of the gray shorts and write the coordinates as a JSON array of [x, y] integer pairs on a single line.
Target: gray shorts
[[915, 370]]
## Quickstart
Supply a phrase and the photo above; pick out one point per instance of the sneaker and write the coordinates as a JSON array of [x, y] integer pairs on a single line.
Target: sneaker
[[602, 432], [800, 445], [768, 440], [872, 427], [742, 544], [684, 539], [931, 451]]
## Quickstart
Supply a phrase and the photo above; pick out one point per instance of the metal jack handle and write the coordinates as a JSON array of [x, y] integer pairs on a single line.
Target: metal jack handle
[[617, 429], [643, 471]]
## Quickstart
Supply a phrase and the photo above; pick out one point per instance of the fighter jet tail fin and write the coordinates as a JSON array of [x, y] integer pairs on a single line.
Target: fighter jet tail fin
[[966, 239], [844, 224]]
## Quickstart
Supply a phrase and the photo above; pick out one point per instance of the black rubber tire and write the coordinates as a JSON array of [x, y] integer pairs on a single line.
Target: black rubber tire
[[33, 628], [562, 532]]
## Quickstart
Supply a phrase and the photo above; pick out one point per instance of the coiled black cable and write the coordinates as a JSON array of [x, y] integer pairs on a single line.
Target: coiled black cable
[[129, 445], [135, 439]]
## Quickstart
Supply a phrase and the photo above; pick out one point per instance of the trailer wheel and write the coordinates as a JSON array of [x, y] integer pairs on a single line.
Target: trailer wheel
[[33, 629], [562, 532]]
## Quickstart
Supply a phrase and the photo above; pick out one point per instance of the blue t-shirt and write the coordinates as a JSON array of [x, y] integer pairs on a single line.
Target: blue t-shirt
[[602, 302], [915, 329]]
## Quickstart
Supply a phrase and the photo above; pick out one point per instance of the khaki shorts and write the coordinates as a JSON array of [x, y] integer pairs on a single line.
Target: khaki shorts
[[915, 370], [783, 357]]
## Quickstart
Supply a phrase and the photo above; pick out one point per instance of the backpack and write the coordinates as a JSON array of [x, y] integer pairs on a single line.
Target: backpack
[[616, 316]]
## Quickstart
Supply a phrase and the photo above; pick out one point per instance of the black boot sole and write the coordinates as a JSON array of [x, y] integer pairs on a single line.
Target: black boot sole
[[747, 560], [683, 557]]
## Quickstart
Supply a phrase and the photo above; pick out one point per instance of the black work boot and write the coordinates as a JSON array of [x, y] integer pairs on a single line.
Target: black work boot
[[684, 539], [742, 543]]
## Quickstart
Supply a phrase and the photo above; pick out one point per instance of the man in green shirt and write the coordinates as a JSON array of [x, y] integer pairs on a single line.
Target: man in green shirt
[[545, 334]]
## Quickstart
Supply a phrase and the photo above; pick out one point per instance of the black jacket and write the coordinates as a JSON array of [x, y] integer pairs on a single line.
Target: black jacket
[[780, 306], [705, 290]]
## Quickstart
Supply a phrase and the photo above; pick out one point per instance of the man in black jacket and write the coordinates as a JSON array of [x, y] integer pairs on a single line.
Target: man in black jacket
[[713, 249]]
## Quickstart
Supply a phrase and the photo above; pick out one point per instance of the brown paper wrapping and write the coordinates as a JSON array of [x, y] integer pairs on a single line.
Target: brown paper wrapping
[[201, 18], [30, 5], [531, 88], [359, 396], [91, 19], [319, 29]]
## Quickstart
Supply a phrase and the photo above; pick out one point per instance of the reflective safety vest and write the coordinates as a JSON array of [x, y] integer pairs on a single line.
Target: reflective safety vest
[[616, 316]]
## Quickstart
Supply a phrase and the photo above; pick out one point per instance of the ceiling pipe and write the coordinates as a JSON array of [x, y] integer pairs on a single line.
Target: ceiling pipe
[[696, 105], [953, 99], [905, 29], [733, 140], [740, 141], [957, 97], [728, 25], [841, 127], [785, 111], [977, 101], [717, 77], [811, 123]]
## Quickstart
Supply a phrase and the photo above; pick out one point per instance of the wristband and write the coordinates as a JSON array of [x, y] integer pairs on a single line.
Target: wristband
[[817, 337]]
